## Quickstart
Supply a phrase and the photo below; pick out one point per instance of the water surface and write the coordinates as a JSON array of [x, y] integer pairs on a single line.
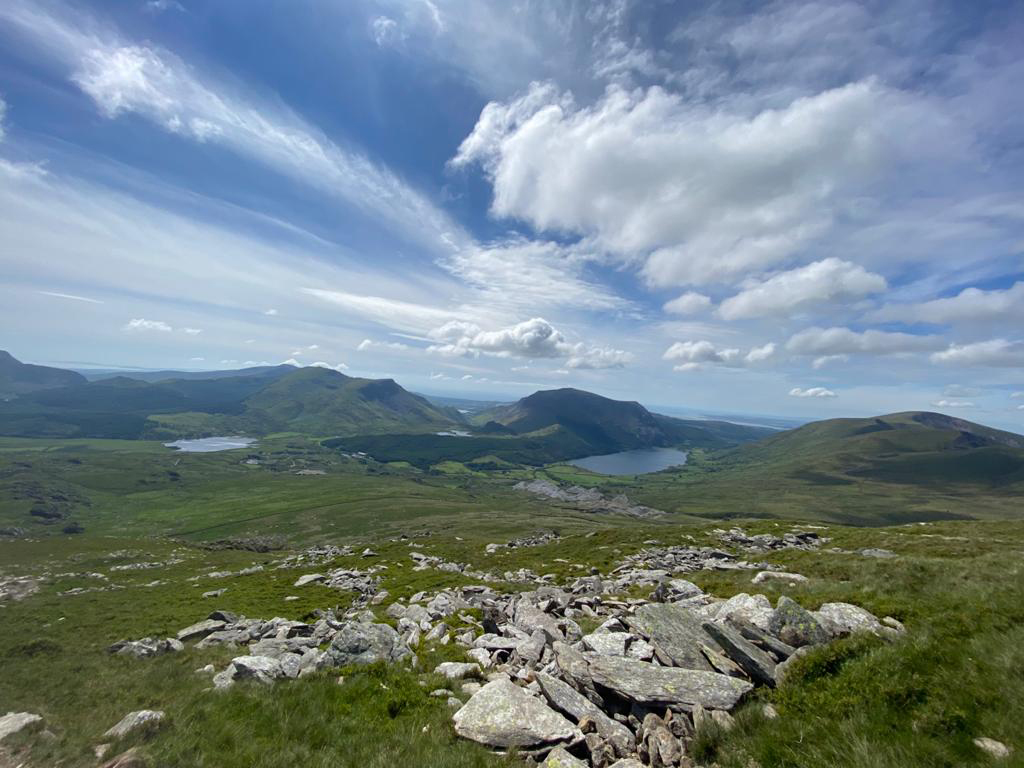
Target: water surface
[[637, 462], [211, 444]]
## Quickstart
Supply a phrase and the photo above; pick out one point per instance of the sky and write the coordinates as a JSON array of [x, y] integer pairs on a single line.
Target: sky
[[804, 209]]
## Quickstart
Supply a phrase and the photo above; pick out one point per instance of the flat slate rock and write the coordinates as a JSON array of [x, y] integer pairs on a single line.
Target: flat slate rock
[[201, 629], [501, 714], [565, 698], [676, 632], [647, 683], [751, 659]]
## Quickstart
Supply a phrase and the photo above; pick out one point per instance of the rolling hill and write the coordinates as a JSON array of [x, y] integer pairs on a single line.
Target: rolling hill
[[313, 401], [17, 378], [911, 448]]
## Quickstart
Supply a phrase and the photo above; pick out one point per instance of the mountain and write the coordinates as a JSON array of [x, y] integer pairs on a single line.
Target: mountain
[[258, 371], [314, 401], [322, 401], [911, 448], [607, 425], [17, 378]]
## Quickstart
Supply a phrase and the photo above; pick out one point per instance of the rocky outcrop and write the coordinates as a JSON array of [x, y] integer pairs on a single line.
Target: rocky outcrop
[[501, 714]]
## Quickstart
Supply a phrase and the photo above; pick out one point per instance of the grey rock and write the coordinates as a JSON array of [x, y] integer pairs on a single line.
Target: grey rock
[[559, 758], [607, 643], [841, 619], [201, 629], [751, 659], [133, 721], [993, 748], [481, 656], [782, 670], [265, 669], [358, 643], [650, 684], [15, 722], [627, 762], [501, 714], [675, 632], [565, 699], [147, 647], [790, 578], [754, 608], [291, 665], [309, 578], [794, 625], [457, 670], [762, 639]]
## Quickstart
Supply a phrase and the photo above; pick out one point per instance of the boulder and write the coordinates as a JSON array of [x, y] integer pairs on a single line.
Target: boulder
[[567, 700], [647, 683], [15, 722], [992, 748], [753, 608], [841, 619], [358, 643], [675, 632], [133, 721], [309, 578], [130, 759], [794, 625], [501, 714], [761, 638], [751, 659], [790, 578], [265, 669], [559, 758], [201, 629], [607, 643]]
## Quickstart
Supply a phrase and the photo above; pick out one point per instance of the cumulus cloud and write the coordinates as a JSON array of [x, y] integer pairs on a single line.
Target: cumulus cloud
[[953, 404], [970, 305], [533, 339], [829, 342], [694, 355], [996, 353], [702, 193], [811, 392], [690, 303], [192, 331], [339, 367], [827, 281], [141, 324]]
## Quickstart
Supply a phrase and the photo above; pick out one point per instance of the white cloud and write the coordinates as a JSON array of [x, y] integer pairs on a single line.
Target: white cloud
[[953, 404], [70, 296], [385, 31], [141, 324], [394, 313], [694, 355], [197, 359], [811, 392], [690, 303], [339, 367], [829, 342], [1017, 395], [997, 353], [533, 339], [439, 377], [270, 312], [702, 193], [159, 6], [192, 331], [3, 116], [829, 281], [125, 78], [525, 275], [821, 362], [366, 344], [970, 305]]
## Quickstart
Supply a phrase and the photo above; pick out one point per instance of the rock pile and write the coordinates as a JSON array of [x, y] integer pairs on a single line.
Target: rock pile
[[587, 499], [765, 542]]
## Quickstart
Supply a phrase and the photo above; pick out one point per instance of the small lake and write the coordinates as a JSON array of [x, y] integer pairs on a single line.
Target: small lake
[[211, 444], [637, 462]]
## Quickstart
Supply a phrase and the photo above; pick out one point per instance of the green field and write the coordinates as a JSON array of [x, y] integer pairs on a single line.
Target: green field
[[958, 585]]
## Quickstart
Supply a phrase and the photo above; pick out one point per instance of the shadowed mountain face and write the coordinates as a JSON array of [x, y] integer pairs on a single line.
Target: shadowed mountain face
[[17, 378]]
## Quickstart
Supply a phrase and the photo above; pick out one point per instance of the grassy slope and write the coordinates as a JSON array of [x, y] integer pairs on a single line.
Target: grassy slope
[[959, 673]]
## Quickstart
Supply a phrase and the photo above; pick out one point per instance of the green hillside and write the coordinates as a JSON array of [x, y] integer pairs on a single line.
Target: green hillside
[[607, 425], [17, 378]]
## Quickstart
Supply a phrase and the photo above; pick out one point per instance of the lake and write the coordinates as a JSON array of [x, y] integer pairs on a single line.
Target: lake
[[211, 444], [637, 462]]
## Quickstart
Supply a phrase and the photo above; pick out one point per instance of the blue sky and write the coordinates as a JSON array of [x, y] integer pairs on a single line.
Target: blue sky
[[797, 208]]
